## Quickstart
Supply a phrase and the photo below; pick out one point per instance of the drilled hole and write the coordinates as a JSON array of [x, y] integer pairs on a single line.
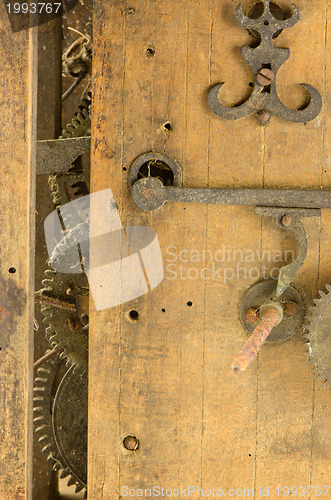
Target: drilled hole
[[167, 126], [251, 84], [150, 52], [131, 443], [163, 310], [134, 315], [158, 169], [189, 303], [12, 270], [124, 169], [266, 23]]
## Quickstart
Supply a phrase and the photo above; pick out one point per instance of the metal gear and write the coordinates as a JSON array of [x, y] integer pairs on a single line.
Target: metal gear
[[60, 417], [65, 328], [319, 336], [81, 123], [63, 295]]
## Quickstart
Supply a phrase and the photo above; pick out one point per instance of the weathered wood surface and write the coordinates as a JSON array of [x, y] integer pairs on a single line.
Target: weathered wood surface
[[166, 378], [17, 201]]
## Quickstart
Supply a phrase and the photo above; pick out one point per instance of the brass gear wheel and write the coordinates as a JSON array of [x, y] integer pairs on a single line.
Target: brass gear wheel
[[60, 418]]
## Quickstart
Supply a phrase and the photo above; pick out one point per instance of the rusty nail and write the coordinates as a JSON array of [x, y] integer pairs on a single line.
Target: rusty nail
[[131, 443], [43, 359], [263, 116], [265, 77], [252, 315], [286, 220], [59, 304], [291, 308], [271, 315]]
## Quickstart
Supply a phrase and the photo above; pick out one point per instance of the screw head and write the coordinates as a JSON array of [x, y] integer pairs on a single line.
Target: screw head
[[264, 116], [291, 308], [131, 443], [265, 77], [286, 220]]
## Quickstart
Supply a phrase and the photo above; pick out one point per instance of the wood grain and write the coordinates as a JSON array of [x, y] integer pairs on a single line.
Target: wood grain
[[17, 201], [166, 378]]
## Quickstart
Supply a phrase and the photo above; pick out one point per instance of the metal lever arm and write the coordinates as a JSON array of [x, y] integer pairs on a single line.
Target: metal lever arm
[[150, 194]]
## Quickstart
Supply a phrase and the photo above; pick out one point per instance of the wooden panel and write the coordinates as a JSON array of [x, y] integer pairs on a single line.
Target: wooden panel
[[166, 378], [17, 200]]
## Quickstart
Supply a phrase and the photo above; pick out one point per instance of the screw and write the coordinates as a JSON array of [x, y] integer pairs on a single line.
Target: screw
[[271, 316], [131, 443], [291, 308], [263, 116], [286, 220], [252, 315], [265, 77]]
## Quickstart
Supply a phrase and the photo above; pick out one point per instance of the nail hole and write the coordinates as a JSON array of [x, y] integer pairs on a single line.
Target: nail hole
[[134, 315], [124, 169], [163, 310], [150, 52], [167, 126], [249, 455], [266, 23], [251, 84], [131, 443], [189, 303], [12, 270]]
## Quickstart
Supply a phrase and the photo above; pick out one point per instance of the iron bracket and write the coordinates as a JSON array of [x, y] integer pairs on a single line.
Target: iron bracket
[[265, 62]]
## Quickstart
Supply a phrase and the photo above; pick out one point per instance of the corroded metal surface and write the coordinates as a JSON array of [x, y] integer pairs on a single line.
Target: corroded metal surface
[[150, 194], [271, 316], [265, 62], [319, 337], [60, 418]]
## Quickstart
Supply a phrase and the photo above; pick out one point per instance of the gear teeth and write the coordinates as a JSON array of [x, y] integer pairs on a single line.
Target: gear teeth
[[71, 481], [65, 473], [43, 386]]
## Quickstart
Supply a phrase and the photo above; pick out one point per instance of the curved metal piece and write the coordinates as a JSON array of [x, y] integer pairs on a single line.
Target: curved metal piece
[[287, 273], [303, 115], [265, 61], [229, 113]]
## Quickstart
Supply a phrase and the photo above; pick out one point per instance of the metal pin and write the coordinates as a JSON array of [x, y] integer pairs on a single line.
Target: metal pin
[[271, 316], [43, 359], [59, 304]]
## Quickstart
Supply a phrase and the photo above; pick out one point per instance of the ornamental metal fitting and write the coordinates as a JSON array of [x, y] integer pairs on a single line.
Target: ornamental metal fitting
[[265, 62]]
